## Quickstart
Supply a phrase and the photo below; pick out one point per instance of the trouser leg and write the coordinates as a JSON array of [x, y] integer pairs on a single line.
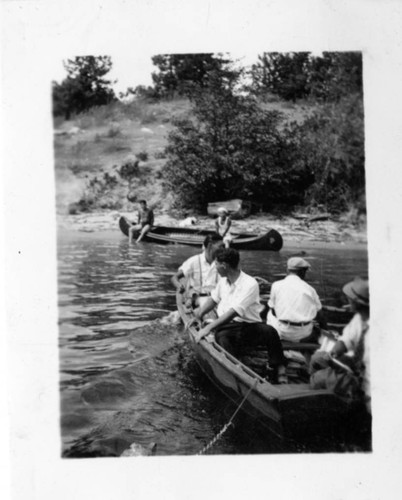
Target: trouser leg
[[229, 337], [266, 335]]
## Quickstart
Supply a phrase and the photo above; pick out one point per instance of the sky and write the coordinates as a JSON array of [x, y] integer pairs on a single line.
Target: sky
[[135, 68]]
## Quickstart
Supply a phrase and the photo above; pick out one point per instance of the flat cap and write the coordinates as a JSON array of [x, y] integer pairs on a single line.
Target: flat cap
[[296, 263]]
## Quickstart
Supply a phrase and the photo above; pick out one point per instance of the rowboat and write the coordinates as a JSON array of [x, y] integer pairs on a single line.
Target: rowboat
[[269, 240], [285, 410]]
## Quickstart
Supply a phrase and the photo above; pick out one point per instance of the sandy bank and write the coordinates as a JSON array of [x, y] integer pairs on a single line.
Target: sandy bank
[[293, 231]]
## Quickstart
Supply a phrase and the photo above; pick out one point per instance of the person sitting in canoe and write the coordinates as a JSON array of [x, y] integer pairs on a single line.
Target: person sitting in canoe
[[145, 222], [294, 304], [199, 271], [239, 324], [345, 369], [223, 224]]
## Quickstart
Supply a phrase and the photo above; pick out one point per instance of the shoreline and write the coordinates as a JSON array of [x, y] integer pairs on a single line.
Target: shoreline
[[326, 233]]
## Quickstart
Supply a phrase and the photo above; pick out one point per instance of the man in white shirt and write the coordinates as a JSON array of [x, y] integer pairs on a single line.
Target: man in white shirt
[[352, 347], [239, 324], [294, 304], [199, 271]]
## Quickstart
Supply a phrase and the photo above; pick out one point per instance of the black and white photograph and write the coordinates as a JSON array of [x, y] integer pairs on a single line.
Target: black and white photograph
[[201, 248], [212, 225]]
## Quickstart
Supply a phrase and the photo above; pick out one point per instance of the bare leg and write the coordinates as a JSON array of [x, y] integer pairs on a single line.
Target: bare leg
[[131, 230], [144, 231]]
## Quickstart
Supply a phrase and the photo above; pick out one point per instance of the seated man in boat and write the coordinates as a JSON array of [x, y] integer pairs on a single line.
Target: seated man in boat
[[350, 351], [199, 271], [294, 304], [223, 224], [239, 325], [145, 222]]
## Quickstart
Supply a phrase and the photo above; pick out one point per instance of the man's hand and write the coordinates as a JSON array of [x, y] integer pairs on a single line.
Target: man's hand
[[192, 322], [203, 333]]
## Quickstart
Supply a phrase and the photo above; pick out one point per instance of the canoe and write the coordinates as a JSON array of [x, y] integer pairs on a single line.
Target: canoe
[[237, 209], [269, 240], [287, 410]]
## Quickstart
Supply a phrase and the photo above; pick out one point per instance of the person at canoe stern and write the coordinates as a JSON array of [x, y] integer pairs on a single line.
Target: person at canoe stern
[[352, 347], [294, 304], [199, 271], [145, 222], [223, 224], [239, 324]]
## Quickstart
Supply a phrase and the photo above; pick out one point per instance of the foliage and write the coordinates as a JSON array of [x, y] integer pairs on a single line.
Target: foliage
[[178, 71], [296, 75], [232, 148], [84, 87], [142, 155], [284, 74], [129, 169], [335, 75], [331, 145]]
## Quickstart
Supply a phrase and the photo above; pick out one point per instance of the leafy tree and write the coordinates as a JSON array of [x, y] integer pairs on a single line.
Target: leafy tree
[[178, 71], [84, 87], [335, 75], [284, 74], [331, 145], [232, 148]]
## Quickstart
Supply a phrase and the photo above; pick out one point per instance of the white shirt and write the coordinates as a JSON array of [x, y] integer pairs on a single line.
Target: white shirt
[[243, 296], [201, 276], [351, 336], [293, 300]]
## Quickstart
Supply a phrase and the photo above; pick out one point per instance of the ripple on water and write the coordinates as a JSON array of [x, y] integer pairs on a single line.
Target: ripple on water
[[127, 372]]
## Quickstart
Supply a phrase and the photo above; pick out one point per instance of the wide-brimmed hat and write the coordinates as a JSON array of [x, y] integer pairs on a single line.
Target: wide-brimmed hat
[[358, 291], [296, 263], [222, 210]]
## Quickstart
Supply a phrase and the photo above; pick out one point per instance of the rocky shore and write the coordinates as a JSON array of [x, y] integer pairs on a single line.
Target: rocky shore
[[297, 229]]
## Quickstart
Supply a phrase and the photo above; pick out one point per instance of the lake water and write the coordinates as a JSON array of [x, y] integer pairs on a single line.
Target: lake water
[[127, 372]]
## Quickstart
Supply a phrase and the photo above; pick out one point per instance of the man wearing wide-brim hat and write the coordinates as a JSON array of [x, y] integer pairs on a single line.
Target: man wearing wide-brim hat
[[294, 304], [355, 335], [346, 369]]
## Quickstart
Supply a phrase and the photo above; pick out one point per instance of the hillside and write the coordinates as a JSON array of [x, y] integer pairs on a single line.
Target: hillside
[[91, 149]]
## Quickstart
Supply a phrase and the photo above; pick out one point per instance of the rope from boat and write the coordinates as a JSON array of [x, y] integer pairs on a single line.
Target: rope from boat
[[227, 425]]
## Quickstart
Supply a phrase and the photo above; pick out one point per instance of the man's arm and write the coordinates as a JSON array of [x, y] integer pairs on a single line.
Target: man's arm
[[205, 308], [176, 281], [320, 318], [338, 349], [222, 320]]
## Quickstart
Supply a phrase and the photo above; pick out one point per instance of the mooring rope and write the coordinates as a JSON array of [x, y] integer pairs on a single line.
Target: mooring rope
[[227, 425]]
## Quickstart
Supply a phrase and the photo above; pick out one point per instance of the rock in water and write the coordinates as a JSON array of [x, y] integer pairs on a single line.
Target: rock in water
[[137, 450]]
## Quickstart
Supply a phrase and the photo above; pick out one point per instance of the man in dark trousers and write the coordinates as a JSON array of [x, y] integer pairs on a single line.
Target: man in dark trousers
[[239, 324]]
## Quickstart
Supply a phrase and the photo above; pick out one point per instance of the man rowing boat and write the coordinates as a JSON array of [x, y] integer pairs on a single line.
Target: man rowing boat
[[239, 324]]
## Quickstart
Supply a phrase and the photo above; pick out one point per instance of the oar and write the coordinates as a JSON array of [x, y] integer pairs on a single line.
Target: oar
[[341, 365]]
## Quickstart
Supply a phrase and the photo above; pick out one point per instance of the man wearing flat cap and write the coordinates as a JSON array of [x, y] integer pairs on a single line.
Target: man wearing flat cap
[[294, 304]]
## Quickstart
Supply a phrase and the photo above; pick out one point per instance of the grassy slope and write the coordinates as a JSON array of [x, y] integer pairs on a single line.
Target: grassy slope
[[87, 163]]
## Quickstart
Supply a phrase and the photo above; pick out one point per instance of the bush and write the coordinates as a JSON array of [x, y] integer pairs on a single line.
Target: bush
[[331, 145], [129, 169], [142, 155], [232, 149]]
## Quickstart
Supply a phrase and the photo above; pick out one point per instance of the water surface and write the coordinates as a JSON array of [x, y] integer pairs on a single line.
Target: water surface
[[127, 373]]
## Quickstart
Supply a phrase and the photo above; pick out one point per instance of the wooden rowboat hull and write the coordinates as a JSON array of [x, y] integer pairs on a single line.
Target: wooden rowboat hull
[[270, 240], [284, 410]]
